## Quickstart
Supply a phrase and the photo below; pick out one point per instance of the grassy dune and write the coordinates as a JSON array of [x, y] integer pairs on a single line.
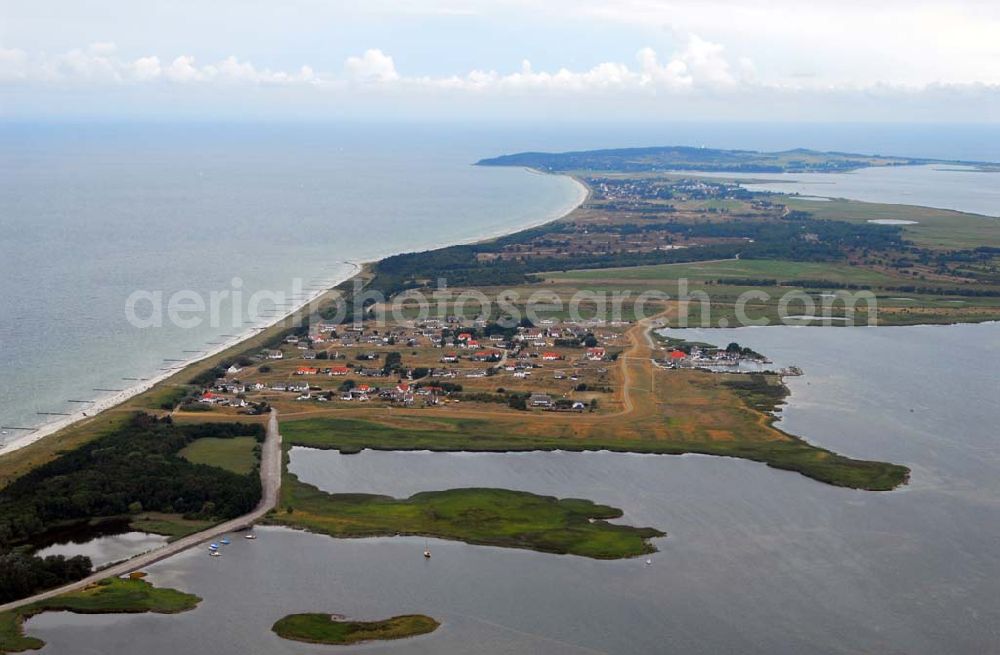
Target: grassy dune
[[325, 629], [704, 425]]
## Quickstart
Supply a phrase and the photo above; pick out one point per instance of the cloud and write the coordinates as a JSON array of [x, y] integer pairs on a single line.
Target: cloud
[[13, 64], [698, 68], [183, 69], [699, 65], [373, 66], [100, 64], [145, 69]]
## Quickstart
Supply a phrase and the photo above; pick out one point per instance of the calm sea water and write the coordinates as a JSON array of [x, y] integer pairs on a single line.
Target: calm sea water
[[756, 560]]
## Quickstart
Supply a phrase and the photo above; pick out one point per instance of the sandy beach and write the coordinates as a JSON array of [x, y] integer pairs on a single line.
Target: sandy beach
[[108, 402]]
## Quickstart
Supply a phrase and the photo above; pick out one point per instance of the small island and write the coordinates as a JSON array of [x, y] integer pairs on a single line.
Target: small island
[[489, 517], [317, 628]]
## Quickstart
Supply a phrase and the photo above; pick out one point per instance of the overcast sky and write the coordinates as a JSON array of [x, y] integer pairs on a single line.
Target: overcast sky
[[899, 60]]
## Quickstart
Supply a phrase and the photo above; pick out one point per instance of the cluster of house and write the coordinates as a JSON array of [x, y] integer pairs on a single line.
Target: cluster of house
[[443, 334], [403, 392], [544, 401], [448, 333], [328, 370], [513, 351], [234, 388], [213, 398], [708, 357]]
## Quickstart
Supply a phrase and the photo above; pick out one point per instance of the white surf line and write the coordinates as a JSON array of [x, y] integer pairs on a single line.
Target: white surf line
[[102, 404]]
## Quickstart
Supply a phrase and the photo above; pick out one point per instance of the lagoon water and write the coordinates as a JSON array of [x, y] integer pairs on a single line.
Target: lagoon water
[[941, 186], [107, 549], [756, 560]]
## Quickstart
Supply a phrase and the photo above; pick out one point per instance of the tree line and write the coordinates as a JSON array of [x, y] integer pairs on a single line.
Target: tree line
[[136, 467]]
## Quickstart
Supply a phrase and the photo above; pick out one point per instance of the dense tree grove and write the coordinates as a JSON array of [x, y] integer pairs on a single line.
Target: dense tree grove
[[797, 238], [135, 466], [21, 573]]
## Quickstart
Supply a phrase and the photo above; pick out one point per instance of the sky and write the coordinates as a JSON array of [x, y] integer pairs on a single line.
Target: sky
[[566, 60]]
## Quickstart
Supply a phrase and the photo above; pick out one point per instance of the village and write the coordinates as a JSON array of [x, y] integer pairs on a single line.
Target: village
[[556, 366], [733, 359]]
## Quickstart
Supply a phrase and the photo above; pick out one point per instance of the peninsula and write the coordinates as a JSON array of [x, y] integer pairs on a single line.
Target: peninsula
[[472, 378], [686, 158]]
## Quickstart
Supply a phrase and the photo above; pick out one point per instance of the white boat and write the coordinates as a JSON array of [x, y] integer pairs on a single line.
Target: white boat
[[215, 553], [249, 535]]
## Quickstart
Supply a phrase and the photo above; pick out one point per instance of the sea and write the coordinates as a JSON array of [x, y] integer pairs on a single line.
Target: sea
[[755, 560]]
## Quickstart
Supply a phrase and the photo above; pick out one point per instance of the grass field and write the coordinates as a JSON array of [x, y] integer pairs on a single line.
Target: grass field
[[887, 307], [110, 596], [325, 629], [173, 526], [935, 228], [713, 431], [237, 454], [165, 396], [491, 517], [739, 268]]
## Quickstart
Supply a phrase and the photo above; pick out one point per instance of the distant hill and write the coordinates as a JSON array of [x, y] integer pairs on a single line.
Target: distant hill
[[684, 158]]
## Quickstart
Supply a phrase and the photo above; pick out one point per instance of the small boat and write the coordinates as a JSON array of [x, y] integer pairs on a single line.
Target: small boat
[[225, 541], [648, 562], [213, 547], [427, 551], [249, 535], [215, 553]]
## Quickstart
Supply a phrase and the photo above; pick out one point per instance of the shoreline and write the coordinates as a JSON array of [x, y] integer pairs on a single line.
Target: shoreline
[[118, 398], [109, 402]]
